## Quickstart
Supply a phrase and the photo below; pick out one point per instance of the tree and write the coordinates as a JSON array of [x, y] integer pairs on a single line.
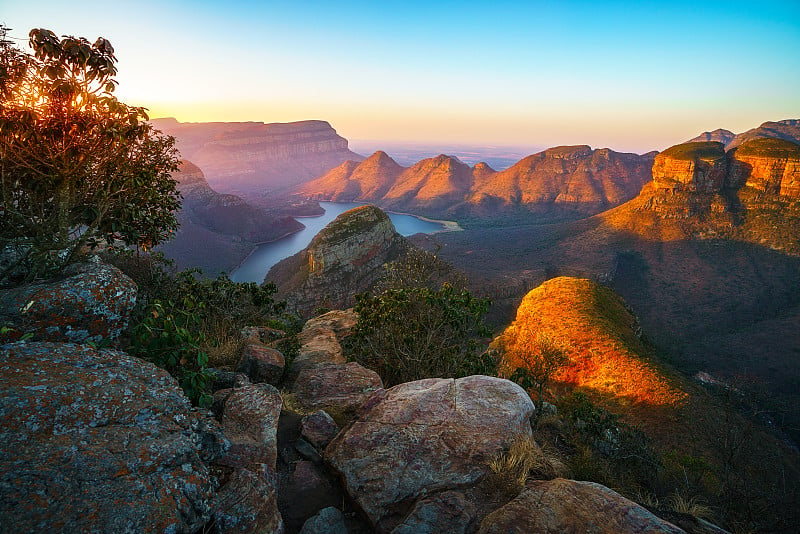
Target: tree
[[535, 358], [407, 334], [77, 166]]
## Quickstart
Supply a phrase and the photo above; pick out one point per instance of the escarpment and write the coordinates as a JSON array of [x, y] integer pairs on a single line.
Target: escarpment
[[252, 158]]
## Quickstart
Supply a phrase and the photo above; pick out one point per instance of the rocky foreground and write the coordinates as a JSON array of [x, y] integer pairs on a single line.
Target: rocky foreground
[[96, 440]]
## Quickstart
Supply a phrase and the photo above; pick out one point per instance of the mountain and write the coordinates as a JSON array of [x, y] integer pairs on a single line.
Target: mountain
[[253, 158], [570, 178], [788, 129], [344, 258], [217, 231]]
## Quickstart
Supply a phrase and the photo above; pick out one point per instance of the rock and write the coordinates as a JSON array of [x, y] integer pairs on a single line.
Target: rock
[[448, 511], [91, 303], [308, 452], [250, 421], [248, 503], [318, 345], [697, 167], [328, 521], [343, 259], [222, 379], [318, 429], [556, 506], [261, 363], [307, 491], [424, 437], [769, 165], [336, 388], [341, 322], [262, 334], [99, 441]]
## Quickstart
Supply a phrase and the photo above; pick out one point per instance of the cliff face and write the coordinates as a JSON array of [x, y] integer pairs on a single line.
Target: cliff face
[[768, 165], [227, 226], [345, 258], [252, 158], [699, 166]]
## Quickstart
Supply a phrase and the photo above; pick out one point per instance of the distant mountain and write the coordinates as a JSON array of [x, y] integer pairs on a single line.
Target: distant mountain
[[217, 231], [575, 178], [253, 158], [788, 130]]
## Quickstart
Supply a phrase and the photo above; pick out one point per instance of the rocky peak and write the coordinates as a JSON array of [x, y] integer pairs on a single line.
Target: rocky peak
[[343, 259], [569, 152], [695, 167], [719, 135]]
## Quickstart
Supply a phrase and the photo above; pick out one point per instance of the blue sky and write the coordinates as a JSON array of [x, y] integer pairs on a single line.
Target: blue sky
[[630, 76]]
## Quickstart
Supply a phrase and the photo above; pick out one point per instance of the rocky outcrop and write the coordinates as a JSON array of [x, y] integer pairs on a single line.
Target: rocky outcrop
[[335, 388], [251, 158], [261, 363], [695, 167], [92, 302], [249, 417], [99, 441], [557, 506], [248, 503], [787, 129], [768, 165], [345, 258], [421, 438]]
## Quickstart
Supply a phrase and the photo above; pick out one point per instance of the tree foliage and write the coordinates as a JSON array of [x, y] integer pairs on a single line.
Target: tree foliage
[[408, 334], [77, 166]]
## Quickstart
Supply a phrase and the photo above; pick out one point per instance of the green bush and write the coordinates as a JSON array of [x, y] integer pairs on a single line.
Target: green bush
[[407, 334]]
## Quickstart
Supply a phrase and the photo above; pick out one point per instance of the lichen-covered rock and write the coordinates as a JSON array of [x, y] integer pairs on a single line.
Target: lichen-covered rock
[[261, 363], [248, 503], [249, 417], [423, 437], [318, 345], [341, 322], [91, 303], [560, 505], [328, 521], [99, 441], [337, 388], [318, 429], [222, 379], [448, 511]]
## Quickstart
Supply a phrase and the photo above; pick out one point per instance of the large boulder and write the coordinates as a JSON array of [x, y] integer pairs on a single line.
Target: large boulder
[[249, 417], [341, 322], [448, 511], [423, 437], [261, 363], [99, 441], [560, 505], [92, 302], [337, 388]]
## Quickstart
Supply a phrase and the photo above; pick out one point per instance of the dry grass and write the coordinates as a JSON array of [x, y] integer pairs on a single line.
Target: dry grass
[[694, 506], [525, 459], [291, 404], [224, 347]]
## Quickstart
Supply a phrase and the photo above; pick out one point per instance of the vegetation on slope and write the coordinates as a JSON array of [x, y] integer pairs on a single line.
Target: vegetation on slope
[[769, 148], [705, 150]]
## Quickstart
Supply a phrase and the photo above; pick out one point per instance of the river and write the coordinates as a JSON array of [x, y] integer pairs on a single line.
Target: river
[[256, 266]]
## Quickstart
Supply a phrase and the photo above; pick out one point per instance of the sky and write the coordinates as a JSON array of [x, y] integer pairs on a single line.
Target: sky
[[631, 76]]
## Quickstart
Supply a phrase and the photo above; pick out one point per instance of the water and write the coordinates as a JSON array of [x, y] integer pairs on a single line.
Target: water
[[259, 262]]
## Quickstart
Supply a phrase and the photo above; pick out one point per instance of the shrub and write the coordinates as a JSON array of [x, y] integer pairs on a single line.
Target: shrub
[[408, 334]]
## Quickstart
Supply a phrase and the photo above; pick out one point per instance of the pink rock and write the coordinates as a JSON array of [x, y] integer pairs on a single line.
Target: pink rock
[[341, 388], [556, 506], [318, 429], [423, 437], [261, 363], [249, 503], [250, 421]]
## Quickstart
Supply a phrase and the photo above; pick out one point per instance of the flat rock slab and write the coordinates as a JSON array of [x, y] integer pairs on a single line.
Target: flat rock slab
[[341, 322], [424, 437], [560, 505], [99, 441]]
